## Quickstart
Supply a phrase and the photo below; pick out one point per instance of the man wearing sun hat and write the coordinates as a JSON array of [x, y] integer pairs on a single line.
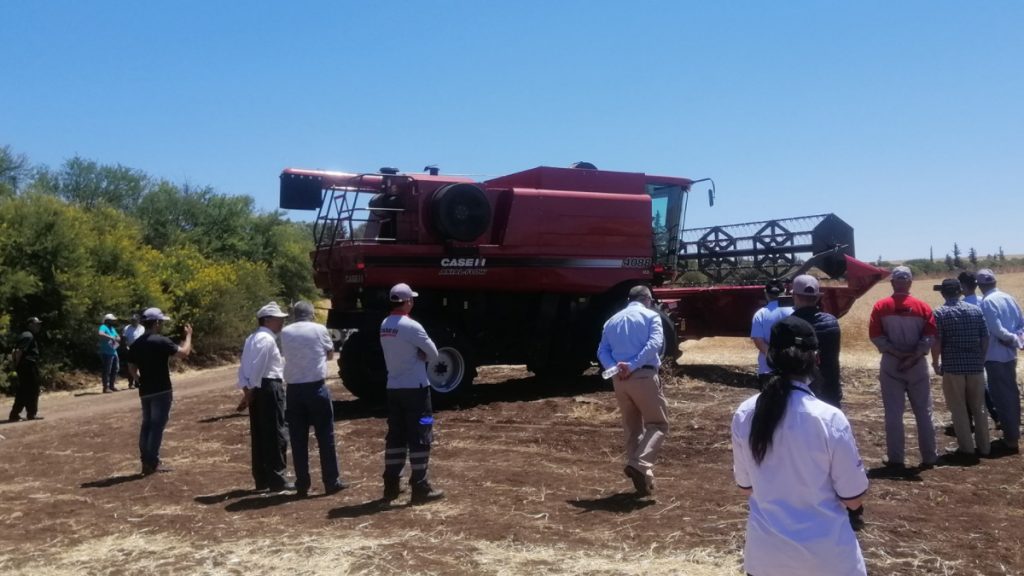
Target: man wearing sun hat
[[147, 364], [261, 378], [407, 350], [902, 328], [109, 341], [26, 364], [1005, 326]]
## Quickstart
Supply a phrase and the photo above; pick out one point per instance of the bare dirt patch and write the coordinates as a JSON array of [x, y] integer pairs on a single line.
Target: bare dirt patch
[[534, 481]]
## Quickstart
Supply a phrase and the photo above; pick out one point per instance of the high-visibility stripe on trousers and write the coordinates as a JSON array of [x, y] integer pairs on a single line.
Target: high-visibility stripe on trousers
[[410, 433]]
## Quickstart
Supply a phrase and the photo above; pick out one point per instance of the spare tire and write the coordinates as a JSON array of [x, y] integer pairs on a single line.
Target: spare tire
[[460, 212]]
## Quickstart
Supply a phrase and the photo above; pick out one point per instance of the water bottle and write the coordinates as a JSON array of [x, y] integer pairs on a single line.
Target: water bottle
[[610, 372]]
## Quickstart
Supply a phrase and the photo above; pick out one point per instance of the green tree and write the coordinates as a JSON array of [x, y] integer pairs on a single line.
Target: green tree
[[93, 185], [956, 257], [972, 256]]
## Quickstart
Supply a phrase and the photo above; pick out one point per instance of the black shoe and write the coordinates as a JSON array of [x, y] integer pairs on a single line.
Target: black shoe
[[341, 485], [392, 488], [423, 493], [36, 418], [959, 458], [302, 492], [14, 418], [640, 482], [286, 487]]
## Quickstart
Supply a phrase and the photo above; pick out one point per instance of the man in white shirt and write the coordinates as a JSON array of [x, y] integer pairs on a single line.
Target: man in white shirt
[[407, 350], [307, 347], [260, 377], [129, 335]]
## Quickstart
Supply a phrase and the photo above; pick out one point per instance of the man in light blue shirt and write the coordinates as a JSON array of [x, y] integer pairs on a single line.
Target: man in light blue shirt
[[1005, 322], [761, 327], [632, 341]]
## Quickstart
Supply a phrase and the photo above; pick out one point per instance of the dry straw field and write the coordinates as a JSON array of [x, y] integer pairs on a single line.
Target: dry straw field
[[533, 475]]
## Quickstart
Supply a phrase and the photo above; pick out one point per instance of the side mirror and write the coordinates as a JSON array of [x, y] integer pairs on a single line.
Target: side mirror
[[711, 196]]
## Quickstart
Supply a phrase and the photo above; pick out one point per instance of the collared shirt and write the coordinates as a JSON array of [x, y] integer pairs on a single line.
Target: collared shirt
[[107, 346], [403, 339], [961, 329], [1004, 320], [972, 298], [132, 333], [826, 384], [901, 323], [797, 525], [761, 327], [634, 335], [260, 359], [305, 346]]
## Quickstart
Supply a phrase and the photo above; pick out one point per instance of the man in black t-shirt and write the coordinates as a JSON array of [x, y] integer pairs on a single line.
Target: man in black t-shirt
[[26, 364], [806, 295], [148, 359]]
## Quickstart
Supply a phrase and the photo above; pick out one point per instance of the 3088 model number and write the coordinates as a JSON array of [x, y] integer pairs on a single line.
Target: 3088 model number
[[636, 262]]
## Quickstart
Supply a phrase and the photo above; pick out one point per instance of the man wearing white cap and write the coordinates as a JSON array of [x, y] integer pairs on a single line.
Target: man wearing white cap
[[1005, 324], [407, 350], [147, 364], [260, 377], [902, 328], [109, 341], [806, 294]]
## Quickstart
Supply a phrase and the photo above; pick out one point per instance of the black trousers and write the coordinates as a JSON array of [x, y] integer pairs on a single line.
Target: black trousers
[[26, 397], [269, 435], [410, 433]]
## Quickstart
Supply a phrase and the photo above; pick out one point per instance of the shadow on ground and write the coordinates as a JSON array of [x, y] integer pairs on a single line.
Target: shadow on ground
[[360, 510], [717, 374], [621, 502], [113, 481]]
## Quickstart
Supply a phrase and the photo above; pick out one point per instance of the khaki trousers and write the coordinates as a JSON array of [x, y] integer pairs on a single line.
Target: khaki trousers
[[965, 393], [644, 416]]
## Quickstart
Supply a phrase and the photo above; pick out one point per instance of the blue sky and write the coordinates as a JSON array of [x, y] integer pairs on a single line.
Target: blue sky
[[904, 118]]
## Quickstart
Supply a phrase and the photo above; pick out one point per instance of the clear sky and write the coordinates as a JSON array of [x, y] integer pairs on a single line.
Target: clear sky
[[904, 118]]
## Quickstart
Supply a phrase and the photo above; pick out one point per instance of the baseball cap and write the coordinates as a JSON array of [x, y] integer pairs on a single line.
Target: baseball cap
[[793, 331], [948, 286], [154, 314], [967, 279], [774, 287], [34, 320], [902, 273], [109, 317], [806, 285], [271, 310], [402, 292], [985, 276]]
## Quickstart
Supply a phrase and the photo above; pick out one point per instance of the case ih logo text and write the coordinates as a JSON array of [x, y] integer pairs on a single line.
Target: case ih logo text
[[463, 267], [463, 262]]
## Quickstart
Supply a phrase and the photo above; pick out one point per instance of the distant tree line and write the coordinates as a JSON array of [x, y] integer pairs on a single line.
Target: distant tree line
[[954, 263], [87, 239]]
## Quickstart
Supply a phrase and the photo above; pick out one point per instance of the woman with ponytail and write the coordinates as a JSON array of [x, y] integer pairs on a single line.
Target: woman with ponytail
[[796, 458]]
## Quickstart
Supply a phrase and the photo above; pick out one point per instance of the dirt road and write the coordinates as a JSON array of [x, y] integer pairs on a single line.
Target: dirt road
[[534, 484]]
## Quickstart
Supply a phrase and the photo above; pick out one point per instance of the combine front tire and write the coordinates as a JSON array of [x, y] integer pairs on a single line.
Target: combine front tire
[[362, 367]]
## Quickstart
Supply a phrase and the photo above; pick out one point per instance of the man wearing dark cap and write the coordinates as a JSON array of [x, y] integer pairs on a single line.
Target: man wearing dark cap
[[1005, 325], [148, 360], [968, 285], [761, 327], [632, 341], [306, 346], [826, 384], [958, 355], [26, 364], [902, 328], [407, 350]]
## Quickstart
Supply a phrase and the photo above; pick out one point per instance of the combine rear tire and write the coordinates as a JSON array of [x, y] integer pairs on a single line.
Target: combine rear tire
[[452, 374], [670, 353], [362, 367]]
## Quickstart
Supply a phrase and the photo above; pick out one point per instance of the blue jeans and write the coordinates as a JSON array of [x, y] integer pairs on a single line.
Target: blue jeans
[[308, 405], [156, 409], [1002, 384], [110, 368]]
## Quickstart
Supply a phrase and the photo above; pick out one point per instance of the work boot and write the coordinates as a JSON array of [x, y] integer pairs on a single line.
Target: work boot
[[392, 488], [423, 493]]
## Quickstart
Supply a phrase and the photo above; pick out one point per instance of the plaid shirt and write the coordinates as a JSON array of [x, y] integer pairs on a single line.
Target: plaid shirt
[[962, 329]]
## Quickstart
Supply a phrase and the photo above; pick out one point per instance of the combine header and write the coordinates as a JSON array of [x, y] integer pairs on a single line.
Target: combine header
[[525, 268]]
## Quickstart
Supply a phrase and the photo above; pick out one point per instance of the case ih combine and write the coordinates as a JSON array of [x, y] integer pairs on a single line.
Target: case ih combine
[[525, 268]]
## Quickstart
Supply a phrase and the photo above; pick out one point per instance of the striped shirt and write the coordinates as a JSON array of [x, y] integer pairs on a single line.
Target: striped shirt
[[961, 330]]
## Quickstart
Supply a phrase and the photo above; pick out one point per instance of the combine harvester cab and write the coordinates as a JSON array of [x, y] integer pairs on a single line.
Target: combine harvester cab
[[525, 268]]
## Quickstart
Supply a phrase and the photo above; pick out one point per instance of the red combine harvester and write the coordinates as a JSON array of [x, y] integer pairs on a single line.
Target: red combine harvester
[[525, 268]]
